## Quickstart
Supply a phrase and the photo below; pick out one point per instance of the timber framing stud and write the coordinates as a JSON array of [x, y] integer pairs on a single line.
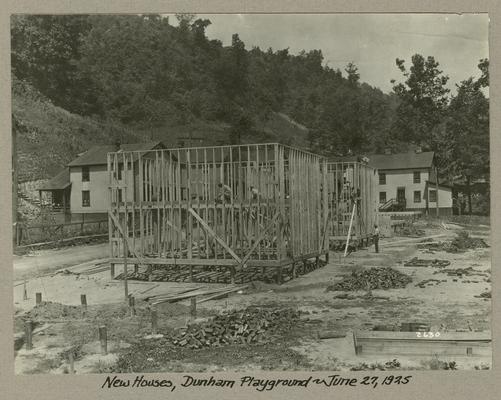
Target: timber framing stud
[[351, 184], [241, 206]]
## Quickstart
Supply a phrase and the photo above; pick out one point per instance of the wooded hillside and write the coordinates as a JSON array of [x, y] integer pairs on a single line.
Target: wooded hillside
[[81, 80]]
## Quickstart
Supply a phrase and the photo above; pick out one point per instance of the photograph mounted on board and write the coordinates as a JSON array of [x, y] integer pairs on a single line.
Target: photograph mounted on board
[[248, 192]]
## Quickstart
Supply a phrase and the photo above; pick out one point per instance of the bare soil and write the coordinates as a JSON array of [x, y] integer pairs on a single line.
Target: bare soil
[[447, 303]]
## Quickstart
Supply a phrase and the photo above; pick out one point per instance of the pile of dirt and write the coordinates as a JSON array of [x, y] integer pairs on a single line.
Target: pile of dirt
[[462, 242], [252, 325], [373, 278], [48, 310]]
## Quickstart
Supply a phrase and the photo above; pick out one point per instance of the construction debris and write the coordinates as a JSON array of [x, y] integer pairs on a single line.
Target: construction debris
[[373, 278], [216, 274], [331, 335], [409, 230], [484, 295], [460, 272], [252, 325], [462, 242], [429, 282], [211, 294], [366, 296], [418, 262]]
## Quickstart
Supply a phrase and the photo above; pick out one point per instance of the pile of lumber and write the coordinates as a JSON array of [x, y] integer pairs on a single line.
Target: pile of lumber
[[373, 278], [253, 325], [201, 294], [217, 274]]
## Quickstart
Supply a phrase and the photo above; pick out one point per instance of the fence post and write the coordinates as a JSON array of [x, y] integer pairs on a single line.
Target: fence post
[[132, 307], [154, 321], [103, 338], [28, 330], [25, 293], [193, 308], [71, 360], [83, 301]]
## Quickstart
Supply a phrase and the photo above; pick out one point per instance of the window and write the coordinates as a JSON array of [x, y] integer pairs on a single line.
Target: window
[[417, 177], [433, 196], [382, 197], [382, 178], [120, 170], [85, 174], [120, 196], [85, 198], [417, 196]]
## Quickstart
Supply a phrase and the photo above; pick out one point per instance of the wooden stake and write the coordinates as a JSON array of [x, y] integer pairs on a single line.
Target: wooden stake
[[154, 321], [25, 293], [83, 300], [28, 333], [132, 307], [126, 285], [193, 309], [38, 298], [71, 362], [103, 338], [112, 270]]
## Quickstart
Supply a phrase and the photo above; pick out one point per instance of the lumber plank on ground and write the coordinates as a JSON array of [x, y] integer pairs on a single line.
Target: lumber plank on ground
[[222, 294], [408, 343], [192, 294]]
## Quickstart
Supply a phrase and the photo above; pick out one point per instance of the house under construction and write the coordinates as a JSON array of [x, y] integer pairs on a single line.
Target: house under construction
[[228, 210], [351, 187]]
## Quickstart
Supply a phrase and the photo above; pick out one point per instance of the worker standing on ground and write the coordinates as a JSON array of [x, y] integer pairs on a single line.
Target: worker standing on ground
[[376, 238]]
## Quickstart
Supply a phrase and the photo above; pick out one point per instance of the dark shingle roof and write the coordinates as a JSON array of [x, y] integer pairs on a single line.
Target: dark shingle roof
[[59, 182], [401, 160], [97, 155]]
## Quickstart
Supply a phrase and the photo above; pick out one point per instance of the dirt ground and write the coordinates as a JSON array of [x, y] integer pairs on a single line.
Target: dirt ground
[[448, 305]]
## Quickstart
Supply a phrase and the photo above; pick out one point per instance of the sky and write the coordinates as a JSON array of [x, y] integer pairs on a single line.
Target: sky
[[371, 41]]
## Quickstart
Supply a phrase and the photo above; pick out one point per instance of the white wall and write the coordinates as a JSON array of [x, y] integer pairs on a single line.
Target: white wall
[[404, 178], [97, 185], [444, 197]]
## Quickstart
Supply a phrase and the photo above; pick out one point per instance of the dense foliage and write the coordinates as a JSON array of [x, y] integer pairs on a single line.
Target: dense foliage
[[141, 73]]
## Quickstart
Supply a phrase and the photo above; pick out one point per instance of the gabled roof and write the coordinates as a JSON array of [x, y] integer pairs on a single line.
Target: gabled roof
[[59, 182], [97, 155], [401, 160]]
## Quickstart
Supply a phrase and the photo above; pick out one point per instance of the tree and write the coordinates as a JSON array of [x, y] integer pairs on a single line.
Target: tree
[[45, 52], [353, 75], [423, 101], [467, 131]]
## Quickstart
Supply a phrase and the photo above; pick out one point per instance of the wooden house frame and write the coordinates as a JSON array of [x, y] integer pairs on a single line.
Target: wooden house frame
[[228, 206], [351, 184]]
